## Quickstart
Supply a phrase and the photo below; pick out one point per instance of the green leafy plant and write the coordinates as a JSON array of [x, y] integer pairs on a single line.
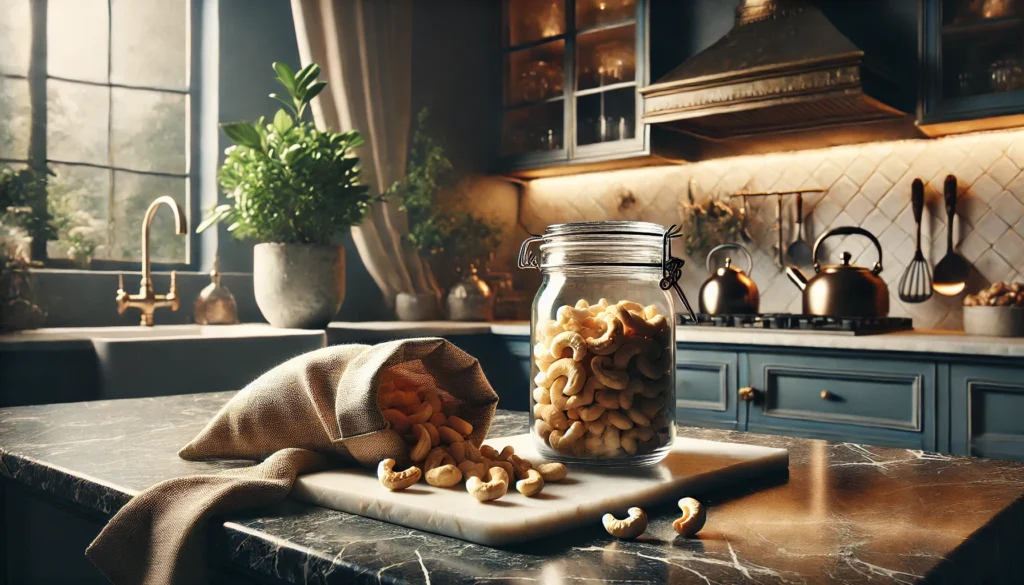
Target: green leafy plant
[[288, 182], [433, 231], [21, 204]]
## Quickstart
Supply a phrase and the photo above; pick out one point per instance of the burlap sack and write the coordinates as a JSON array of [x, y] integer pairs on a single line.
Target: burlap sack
[[300, 417]]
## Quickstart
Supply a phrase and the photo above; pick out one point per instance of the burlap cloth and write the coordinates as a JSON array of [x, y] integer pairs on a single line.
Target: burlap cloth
[[310, 413]]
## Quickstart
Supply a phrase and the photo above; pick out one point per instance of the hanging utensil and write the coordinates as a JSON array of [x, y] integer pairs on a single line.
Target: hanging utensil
[[916, 282], [951, 272], [780, 249], [799, 250]]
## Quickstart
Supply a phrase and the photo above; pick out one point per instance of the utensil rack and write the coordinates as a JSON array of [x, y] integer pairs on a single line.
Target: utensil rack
[[781, 248]]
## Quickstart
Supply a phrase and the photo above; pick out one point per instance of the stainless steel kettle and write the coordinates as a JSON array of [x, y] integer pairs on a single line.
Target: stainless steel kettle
[[729, 290], [843, 290]]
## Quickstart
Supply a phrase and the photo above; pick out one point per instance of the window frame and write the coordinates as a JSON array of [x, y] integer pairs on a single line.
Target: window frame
[[193, 115]]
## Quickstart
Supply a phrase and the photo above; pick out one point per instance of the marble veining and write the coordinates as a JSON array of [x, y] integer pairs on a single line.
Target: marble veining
[[846, 513]]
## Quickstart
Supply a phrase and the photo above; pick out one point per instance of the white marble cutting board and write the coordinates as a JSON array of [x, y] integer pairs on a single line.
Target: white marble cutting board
[[693, 467]]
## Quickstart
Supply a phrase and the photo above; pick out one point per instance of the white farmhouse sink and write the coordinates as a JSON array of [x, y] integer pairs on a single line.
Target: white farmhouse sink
[[134, 362]]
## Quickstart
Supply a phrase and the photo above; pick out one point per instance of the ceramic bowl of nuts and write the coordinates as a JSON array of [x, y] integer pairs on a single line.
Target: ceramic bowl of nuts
[[996, 311]]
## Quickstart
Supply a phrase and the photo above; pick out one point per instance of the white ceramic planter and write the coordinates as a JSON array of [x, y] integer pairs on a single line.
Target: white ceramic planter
[[299, 286]]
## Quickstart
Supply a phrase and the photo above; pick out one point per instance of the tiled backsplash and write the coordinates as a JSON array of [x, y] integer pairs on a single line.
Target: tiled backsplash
[[866, 185]]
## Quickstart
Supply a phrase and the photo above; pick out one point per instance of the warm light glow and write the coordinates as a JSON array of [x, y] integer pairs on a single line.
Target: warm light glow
[[951, 289], [601, 6]]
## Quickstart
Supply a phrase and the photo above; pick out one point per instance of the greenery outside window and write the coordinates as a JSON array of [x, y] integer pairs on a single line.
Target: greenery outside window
[[97, 97]]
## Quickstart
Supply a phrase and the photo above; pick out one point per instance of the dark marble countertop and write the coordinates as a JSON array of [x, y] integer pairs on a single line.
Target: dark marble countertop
[[846, 513]]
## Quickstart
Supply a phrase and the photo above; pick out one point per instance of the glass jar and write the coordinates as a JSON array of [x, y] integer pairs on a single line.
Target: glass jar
[[603, 335]]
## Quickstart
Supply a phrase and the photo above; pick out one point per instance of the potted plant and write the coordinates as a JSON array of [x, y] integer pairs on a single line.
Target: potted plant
[[452, 239], [293, 188]]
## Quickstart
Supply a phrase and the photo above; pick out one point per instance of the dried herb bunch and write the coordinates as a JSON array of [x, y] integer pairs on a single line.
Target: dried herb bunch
[[709, 223]]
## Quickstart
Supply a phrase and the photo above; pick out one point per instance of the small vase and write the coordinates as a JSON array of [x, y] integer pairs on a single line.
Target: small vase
[[416, 307], [299, 286]]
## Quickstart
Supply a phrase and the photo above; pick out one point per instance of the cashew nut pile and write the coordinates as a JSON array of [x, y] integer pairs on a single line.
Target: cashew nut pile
[[603, 387], [441, 453], [999, 294]]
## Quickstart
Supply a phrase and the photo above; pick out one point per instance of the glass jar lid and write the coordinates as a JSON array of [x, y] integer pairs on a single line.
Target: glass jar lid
[[627, 244]]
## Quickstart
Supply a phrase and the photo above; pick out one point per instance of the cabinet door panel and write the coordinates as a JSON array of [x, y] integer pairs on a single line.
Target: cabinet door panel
[[706, 388], [987, 406], [861, 400]]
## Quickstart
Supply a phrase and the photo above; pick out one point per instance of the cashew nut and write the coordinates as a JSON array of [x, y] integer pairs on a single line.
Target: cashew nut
[[615, 379], [563, 440], [655, 369], [552, 472], [632, 307], [541, 395], [597, 427], [457, 451], [633, 323], [541, 379], [542, 429], [437, 457], [583, 398], [531, 484], [650, 312], [628, 442], [599, 307], [566, 315], [472, 452], [629, 527], [470, 469], [396, 480], [508, 467], [594, 444], [437, 419], [460, 426], [492, 489], [632, 389], [572, 370], [554, 417], [608, 399], [506, 453], [638, 417], [444, 476], [556, 394], [571, 340], [449, 435], [694, 516], [422, 415], [626, 353], [612, 438], [435, 439], [422, 448], [591, 413], [610, 340], [397, 419], [488, 452]]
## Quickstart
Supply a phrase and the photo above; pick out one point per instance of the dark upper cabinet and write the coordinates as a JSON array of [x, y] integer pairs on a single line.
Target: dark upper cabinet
[[972, 63], [571, 70]]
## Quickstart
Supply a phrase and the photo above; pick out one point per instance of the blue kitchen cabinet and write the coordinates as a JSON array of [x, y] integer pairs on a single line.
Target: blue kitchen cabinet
[[867, 399], [988, 410], [706, 385]]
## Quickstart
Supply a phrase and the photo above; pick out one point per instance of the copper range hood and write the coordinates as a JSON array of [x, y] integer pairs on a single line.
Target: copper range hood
[[783, 67]]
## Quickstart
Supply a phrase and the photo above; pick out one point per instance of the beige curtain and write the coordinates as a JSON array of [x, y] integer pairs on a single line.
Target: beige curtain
[[364, 48]]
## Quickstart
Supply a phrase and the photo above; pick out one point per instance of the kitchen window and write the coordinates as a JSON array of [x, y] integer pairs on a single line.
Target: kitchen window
[[99, 94]]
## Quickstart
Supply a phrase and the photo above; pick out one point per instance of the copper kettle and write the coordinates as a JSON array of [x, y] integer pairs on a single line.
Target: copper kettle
[[729, 290], [843, 290]]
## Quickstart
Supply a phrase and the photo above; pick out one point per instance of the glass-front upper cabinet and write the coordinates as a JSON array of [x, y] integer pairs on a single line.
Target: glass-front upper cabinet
[[973, 64], [571, 73]]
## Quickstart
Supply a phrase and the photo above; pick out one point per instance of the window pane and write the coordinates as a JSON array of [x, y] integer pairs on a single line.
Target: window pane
[[149, 130], [76, 35], [606, 116], [596, 12], [15, 118], [76, 122], [132, 195], [149, 43], [606, 57], [15, 36], [77, 198], [532, 20]]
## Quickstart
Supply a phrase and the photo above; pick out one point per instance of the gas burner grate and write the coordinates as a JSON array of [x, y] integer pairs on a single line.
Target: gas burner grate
[[796, 322]]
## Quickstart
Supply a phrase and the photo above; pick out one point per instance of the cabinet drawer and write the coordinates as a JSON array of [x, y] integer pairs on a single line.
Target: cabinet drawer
[[987, 406], [706, 388], [865, 400]]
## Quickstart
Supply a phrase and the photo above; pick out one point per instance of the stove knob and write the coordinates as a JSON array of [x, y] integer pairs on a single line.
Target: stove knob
[[747, 394]]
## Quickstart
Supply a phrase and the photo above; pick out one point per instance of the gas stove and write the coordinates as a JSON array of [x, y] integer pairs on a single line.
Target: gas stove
[[783, 322]]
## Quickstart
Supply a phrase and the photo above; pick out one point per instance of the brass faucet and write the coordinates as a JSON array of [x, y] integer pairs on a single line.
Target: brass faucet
[[147, 301]]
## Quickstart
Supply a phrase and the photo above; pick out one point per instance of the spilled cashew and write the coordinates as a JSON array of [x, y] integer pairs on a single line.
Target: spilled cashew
[[396, 480], [448, 435], [492, 489], [531, 484], [460, 426], [471, 469], [693, 518], [444, 476], [629, 527], [552, 471]]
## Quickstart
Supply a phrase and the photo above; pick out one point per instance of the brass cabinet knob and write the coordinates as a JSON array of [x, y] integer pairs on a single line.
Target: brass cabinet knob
[[826, 395], [746, 394]]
